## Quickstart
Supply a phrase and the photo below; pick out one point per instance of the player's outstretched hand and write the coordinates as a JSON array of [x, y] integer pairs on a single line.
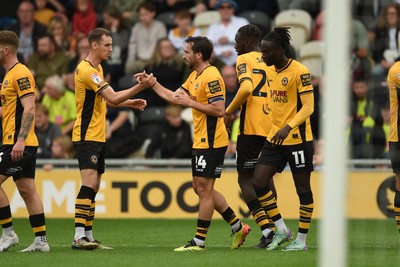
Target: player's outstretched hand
[[139, 104], [144, 79]]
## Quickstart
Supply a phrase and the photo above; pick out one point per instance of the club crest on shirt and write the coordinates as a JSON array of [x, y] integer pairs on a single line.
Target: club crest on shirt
[[96, 78], [285, 81], [398, 76], [5, 83], [93, 159], [196, 86]]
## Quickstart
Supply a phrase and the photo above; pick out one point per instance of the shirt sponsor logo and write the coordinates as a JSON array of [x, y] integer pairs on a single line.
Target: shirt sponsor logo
[[305, 79], [214, 87], [24, 83], [278, 96], [241, 69], [96, 78]]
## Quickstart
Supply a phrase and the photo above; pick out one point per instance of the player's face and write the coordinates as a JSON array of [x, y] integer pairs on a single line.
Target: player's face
[[240, 44], [105, 47], [270, 52], [189, 56]]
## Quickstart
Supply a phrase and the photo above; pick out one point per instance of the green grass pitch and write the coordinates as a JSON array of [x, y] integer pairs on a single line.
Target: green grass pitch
[[150, 242]]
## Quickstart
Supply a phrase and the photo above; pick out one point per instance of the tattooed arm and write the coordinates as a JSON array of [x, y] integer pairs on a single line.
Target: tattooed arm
[[28, 117]]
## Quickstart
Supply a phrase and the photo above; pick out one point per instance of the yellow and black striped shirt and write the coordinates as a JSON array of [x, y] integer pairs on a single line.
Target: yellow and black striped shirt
[[208, 87], [17, 84], [90, 124]]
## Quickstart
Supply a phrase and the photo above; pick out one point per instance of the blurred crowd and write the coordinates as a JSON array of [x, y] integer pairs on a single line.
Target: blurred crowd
[[148, 35]]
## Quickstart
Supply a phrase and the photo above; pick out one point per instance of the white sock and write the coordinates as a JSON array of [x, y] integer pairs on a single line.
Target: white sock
[[8, 231], [236, 226], [89, 235], [266, 232], [301, 238], [40, 239], [281, 226], [199, 242], [79, 232]]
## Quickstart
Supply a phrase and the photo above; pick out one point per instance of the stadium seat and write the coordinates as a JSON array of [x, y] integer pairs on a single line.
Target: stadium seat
[[300, 23], [311, 55], [258, 18], [205, 19], [168, 18]]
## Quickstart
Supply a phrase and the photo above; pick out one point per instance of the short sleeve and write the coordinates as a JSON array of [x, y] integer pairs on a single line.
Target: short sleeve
[[305, 81], [24, 84], [214, 90], [242, 69], [94, 81]]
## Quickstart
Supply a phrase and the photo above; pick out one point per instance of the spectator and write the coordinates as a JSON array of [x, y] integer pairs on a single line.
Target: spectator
[[44, 14], [386, 47], [112, 18], [174, 140], [168, 66], [380, 134], [368, 12], [47, 61], [27, 29], [45, 131], [231, 83], [363, 114], [128, 9], [60, 103], [143, 38], [65, 43], [62, 148], [183, 29], [222, 33], [82, 52], [361, 62], [84, 19]]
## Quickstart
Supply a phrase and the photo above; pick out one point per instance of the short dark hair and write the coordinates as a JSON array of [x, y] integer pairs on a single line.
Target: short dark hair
[[49, 36], [250, 31], [96, 34], [9, 38], [201, 44], [148, 5]]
